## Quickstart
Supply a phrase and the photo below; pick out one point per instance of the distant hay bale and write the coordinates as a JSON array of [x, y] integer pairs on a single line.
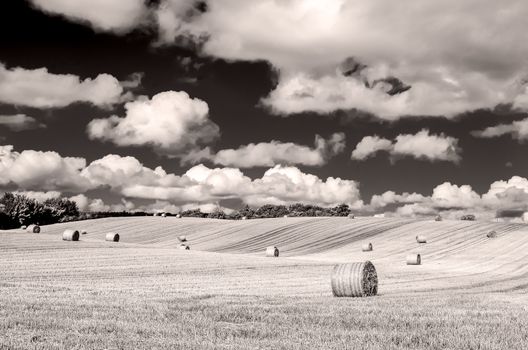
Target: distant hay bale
[[112, 237], [70, 235], [84, 232], [367, 247], [421, 239], [414, 259], [244, 217], [491, 234], [163, 215], [33, 229], [155, 214], [23, 227], [184, 247], [351, 216], [354, 280], [272, 252], [438, 218], [182, 238], [285, 216], [178, 216]]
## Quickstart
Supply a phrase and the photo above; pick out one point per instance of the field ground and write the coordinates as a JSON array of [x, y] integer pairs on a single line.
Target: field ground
[[143, 293]]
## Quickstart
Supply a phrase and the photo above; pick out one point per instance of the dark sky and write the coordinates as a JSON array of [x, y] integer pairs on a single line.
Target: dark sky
[[32, 39]]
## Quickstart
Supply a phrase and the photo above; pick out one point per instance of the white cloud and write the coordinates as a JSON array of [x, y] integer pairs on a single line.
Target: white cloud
[[369, 146], [517, 129], [273, 153], [38, 195], [41, 89], [448, 195], [391, 197], [20, 122], [86, 204], [421, 145], [467, 68], [41, 171], [116, 15], [171, 121]]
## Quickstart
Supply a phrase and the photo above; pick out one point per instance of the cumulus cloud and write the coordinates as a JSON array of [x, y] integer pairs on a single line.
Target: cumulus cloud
[[38, 195], [391, 197], [20, 122], [421, 145], [273, 153], [369, 146], [86, 204], [518, 130], [307, 41], [170, 121], [117, 15], [41, 171], [41, 89]]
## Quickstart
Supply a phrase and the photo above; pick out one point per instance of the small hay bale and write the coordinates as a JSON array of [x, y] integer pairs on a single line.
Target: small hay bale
[[438, 218], [163, 215], [414, 259], [421, 239], [354, 280], [182, 238], [23, 227], [155, 214], [351, 216], [33, 229], [70, 235], [112, 237], [84, 232], [491, 234], [272, 252], [367, 247], [184, 247], [244, 217], [285, 216], [178, 216]]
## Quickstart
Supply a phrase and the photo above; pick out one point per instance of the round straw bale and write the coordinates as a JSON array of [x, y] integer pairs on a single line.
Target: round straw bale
[[182, 238], [272, 252], [33, 229], [354, 280], [285, 216], [70, 235], [367, 247], [23, 227], [163, 215], [112, 237], [155, 214], [351, 216], [491, 234], [178, 216], [244, 217], [438, 218], [421, 239], [414, 259], [184, 247]]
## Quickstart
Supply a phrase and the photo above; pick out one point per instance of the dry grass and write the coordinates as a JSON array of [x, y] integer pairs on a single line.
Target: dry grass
[[470, 293]]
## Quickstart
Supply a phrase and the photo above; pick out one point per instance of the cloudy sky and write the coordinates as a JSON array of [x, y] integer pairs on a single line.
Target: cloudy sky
[[405, 108]]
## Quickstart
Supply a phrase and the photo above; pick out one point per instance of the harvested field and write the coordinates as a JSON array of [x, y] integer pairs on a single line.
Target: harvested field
[[469, 292]]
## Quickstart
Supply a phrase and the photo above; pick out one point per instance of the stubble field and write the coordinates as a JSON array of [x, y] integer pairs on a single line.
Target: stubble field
[[471, 292]]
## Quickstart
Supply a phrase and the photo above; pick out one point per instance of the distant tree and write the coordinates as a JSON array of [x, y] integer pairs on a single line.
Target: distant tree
[[468, 217], [340, 210]]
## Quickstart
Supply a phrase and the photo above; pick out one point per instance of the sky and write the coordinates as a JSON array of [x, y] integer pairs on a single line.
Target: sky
[[403, 109]]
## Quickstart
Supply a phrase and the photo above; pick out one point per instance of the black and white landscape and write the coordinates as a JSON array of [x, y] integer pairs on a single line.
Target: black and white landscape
[[234, 151]]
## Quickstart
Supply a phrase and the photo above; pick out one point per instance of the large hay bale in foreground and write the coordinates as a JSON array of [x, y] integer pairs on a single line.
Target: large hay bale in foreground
[[354, 280], [421, 239], [491, 234], [33, 229], [272, 252], [184, 247], [182, 238], [70, 235], [112, 237], [414, 259], [367, 247]]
